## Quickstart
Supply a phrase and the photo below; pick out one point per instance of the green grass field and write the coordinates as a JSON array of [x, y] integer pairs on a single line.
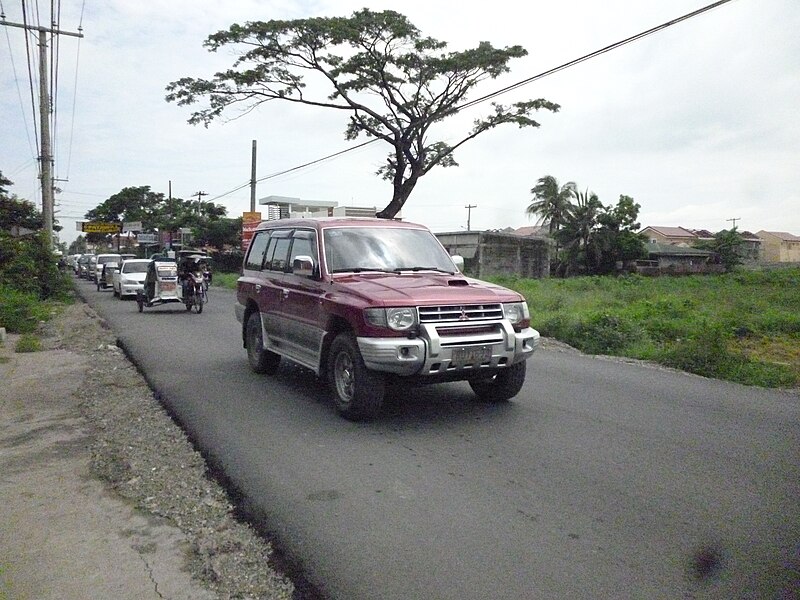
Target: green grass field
[[743, 326]]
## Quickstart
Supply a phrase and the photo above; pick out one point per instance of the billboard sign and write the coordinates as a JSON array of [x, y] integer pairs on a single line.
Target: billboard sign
[[250, 221]]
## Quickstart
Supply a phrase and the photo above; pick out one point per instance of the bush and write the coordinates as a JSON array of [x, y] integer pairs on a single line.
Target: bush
[[605, 334], [28, 265], [28, 343], [21, 312]]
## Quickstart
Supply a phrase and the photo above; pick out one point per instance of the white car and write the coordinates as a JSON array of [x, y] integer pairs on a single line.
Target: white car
[[130, 277]]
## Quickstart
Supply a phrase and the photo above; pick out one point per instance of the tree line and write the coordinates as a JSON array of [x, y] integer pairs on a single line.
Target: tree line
[[157, 213]]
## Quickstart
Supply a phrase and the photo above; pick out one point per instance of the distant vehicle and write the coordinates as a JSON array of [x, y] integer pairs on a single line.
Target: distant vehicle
[[96, 268], [106, 274], [83, 266], [128, 280]]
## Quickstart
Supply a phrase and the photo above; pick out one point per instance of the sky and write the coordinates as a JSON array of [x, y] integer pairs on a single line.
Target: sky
[[699, 123]]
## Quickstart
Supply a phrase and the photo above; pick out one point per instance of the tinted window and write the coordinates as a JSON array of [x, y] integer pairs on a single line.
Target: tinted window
[[278, 262], [255, 255]]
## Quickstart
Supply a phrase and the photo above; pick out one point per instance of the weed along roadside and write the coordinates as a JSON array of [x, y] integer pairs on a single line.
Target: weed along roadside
[[742, 327], [106, 497]]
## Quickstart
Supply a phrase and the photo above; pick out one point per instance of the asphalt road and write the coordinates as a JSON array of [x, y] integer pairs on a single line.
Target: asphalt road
[[602, 479]]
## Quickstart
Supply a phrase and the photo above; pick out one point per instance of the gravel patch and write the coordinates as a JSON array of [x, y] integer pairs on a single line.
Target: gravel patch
[[146, 458]]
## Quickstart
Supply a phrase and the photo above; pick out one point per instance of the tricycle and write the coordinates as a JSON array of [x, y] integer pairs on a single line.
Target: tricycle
[[160, 284]]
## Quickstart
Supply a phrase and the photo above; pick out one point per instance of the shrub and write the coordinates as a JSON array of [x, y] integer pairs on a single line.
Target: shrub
[[28, 265], [21, 312], [28, 343], [605, 334]]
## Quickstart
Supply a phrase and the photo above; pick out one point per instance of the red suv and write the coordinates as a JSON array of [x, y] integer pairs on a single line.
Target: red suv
[[372, 302]]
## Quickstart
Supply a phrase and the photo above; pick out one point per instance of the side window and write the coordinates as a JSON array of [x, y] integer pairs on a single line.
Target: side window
[[255, 255], [304, 243], [278, 249]]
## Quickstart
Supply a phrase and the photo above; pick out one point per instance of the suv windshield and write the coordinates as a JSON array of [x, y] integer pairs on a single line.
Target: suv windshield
[[384, 249]]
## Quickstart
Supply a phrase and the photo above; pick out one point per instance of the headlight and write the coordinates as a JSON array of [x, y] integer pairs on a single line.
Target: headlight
[[517, 313], [398, 319]]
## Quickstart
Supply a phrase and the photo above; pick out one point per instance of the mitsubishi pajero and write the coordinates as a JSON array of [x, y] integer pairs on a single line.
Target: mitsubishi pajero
[[368, 303]]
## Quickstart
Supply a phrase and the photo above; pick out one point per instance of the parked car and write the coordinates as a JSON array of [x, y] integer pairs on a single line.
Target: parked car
[[129, 278], [96, 267], [366, 301]]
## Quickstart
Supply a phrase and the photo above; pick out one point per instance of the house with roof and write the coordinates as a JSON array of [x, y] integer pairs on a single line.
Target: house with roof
[[677, 236], [779, 246]]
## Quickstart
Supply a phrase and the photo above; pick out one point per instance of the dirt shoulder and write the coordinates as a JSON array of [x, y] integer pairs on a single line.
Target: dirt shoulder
[[103, 495]]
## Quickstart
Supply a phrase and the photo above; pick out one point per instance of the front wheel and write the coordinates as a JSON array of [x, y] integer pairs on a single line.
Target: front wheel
[[358, 392], [198, 301], [502, 386], [140, 302], [261, 360]]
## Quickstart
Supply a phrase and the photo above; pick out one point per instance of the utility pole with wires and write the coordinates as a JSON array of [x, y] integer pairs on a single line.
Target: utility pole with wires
[[46, 156], [199, 198], [469, 208], [734, 221]]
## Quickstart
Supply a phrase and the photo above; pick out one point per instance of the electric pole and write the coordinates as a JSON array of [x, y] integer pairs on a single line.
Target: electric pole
[[46, 158], [734, 221], [469, 208], [199, 198], [253, 180]]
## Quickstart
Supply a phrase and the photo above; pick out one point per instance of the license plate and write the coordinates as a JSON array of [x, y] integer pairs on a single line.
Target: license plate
[[168, 286], [472, 355]]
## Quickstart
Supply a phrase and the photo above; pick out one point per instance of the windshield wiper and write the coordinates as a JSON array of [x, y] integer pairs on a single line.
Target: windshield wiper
[[361, 270], [415, 269]]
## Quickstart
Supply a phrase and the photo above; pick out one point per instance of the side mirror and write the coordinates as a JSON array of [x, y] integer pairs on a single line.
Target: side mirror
[[459, 261], [303, 266]]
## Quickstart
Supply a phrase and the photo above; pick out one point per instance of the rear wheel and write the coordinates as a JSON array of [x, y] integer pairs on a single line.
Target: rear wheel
[[261, 360], [358, 392], [502, 386]]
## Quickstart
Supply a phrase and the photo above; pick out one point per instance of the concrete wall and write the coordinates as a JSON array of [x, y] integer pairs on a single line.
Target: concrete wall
[[490, 253]]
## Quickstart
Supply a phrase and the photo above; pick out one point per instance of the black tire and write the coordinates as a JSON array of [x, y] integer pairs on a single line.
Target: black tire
[[140, 302], [198, 302], [98, 286], [501, 387], [261, 360], [115, 293], [357, 391]]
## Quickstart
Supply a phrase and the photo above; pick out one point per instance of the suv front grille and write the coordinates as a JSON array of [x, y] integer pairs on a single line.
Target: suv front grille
[[456, 313]]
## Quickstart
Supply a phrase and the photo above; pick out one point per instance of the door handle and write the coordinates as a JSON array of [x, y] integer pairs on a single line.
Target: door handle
[[258, 287], [285, 293]]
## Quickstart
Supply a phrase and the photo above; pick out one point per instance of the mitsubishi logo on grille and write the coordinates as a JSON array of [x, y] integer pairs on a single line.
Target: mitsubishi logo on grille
[[463, 316]]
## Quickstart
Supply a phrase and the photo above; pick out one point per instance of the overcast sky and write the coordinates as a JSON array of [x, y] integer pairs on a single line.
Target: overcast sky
[[699, 123]]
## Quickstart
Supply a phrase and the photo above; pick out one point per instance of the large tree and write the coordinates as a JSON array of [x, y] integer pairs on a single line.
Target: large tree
[[551, 202], [393, 83]]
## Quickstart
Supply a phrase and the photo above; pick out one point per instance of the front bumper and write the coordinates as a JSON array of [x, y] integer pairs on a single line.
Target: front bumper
[[433, 354], [130, 289]]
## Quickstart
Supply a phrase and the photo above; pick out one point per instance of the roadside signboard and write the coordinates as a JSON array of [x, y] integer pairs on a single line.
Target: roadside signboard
[[132, 226], [250, 221], [100, 227], [147, 238]]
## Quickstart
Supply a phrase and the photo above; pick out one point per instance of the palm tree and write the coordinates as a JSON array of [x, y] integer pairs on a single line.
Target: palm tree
[[552, 202], [579, 225]]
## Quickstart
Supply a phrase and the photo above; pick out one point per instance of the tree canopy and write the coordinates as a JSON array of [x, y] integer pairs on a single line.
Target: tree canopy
[[159, 213], [592, 237], [377, 67]]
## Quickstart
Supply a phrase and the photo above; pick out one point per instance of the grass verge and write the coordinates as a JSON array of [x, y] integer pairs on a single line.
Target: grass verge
[[742, 326]]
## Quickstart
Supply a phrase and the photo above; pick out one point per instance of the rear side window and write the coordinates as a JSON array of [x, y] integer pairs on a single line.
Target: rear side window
[[255, 254]]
